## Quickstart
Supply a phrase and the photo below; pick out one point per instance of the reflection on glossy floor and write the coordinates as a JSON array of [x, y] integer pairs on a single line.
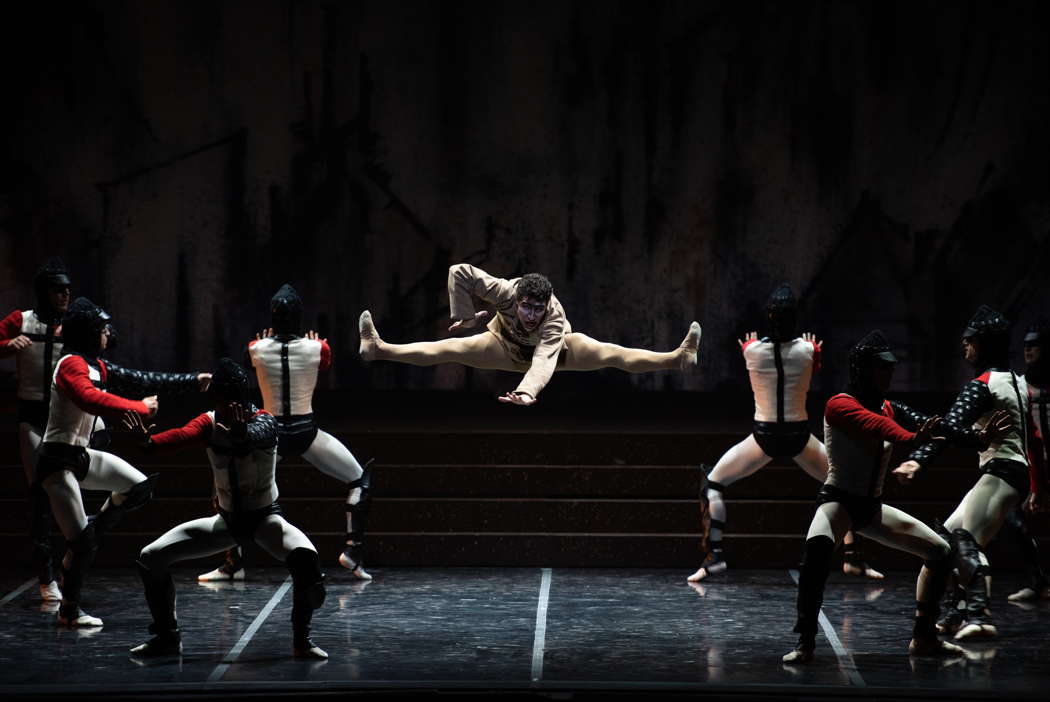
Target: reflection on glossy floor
[[522, 628]]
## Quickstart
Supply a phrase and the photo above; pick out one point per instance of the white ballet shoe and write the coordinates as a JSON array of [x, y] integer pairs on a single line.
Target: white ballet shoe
[[707, 571], [1028, 594], [690, 347], [864, 571], [310, 651], [50, 592], [369, 337], [976, 630], [83, 619], [221, 575], [933, 647], [802, 654], [355, 568]]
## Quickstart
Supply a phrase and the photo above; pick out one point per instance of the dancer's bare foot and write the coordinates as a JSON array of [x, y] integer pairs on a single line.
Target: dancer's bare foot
[[862, 571], [690, 347], [369, 337]]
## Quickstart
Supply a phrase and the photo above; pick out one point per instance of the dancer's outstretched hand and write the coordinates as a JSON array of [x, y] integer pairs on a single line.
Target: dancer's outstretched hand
[[906, 471], [812, 338], [204, 381], [925, 432], [237, 417], [998, 426], [314, 336], [750, 336], [152, 404], [468, 323], [518, 398], [264, 334], [141, 431]]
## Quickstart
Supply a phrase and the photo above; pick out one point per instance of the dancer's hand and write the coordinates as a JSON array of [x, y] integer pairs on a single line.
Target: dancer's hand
[[19, 342], [925, 432], [906, 471], [204, 381], [998, 426], [237, 417], [518, 398], [264, 334], [1037, 502], [468, 323], [314, 336], [132, 421], [750, 336], [812, 338], [152, 404]]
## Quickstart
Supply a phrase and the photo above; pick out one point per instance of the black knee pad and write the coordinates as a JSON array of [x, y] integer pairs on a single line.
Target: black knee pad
[[968, 558], [307, 578], [717, 487], [816, 562], [946, 561], [139, 494], [359, 510]]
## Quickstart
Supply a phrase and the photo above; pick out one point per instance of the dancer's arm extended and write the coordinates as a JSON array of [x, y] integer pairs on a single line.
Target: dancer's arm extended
[[466, 282], [544, 358]]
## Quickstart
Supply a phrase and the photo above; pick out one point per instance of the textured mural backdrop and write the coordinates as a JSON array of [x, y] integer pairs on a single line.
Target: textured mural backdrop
[[659, 161]]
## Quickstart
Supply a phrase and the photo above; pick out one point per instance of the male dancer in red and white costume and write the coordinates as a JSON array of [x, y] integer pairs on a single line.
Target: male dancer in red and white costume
[[781, 366], [241, 443], [1004, 465], [286, 365], [529, 334], [34, 338], [860, 428], [65, 464]]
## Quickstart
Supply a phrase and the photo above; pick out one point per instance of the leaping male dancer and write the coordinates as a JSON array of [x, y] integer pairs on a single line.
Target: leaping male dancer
[[34, 338], [860, 428], [529, 334], [241, 443], [781, 366], [65, 464], [996, 392], [286, 365]]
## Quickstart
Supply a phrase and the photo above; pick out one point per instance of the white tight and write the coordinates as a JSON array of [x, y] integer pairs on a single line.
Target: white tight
[[28, 440], [332, 458], [105, 472], [210, 535], [984, 508]]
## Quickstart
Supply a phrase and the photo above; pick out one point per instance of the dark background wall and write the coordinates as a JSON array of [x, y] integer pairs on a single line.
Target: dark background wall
[[659, 161]]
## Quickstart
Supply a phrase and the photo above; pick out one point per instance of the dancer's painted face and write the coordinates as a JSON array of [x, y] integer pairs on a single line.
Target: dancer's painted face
[[969, 349], [1032, 352], [530, 312], [58, 296]]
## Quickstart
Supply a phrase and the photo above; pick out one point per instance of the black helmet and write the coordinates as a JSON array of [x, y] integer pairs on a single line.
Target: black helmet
[[53, 273], [82, 324], [873, 349], [286, 309], [781, 314], [992, 332], [229, 381]]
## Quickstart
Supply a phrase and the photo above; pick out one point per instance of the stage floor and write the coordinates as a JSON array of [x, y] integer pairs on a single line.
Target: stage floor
[[535, 630]]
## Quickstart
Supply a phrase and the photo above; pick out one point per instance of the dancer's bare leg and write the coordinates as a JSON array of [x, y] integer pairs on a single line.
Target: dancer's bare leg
[[814, 460], [582, 353], [482, 350]]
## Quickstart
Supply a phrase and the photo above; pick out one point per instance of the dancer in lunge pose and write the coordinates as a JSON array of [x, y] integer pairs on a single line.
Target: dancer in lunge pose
[[80, 392], [34, 338], [860, 428], [286, 365], [241, 443], [781, 365], [996, 395], [529, 334]]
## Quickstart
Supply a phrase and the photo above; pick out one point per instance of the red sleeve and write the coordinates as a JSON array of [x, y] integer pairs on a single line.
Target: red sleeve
[[196, 431], [326, 355], [11, 326], [848, 414], [816, 357], [984, 377], [253, 342], [73, 379]]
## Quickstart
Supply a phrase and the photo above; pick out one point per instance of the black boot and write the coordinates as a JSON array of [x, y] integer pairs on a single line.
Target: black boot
[[159, 588], [308, 593]]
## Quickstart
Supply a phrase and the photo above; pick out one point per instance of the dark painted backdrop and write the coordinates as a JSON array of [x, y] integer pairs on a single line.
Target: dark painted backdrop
[[659, 161]]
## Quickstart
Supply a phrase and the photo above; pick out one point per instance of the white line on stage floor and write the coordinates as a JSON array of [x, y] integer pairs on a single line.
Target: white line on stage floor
[[846, 662], [242, 643], [18, 591], [540, 640]]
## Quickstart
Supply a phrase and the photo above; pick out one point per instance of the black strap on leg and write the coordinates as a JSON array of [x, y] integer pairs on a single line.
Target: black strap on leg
[[816, 563], [968, 558], [308, 591], [359, 510], [82, 552], [159, 589], [717, 487], [852, 553], [111, 514]]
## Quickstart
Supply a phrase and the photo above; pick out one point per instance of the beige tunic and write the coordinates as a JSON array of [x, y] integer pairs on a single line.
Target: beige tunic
[[536, 351]]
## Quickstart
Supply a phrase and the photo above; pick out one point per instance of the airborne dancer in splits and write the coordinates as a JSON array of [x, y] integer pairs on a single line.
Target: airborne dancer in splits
[[530, 334], [286, 365], [781, 366]]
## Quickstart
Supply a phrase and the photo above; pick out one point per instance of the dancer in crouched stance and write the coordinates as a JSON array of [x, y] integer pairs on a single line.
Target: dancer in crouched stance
[[780, 365], [860, 428], [241, 442], [286, 365], [80, 391], [530, 334]]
